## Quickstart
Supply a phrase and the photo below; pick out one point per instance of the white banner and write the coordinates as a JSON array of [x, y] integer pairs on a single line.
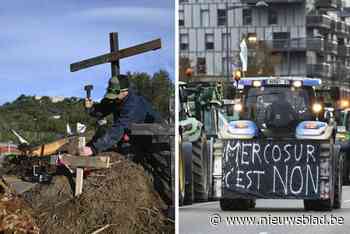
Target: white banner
[[244, 55]]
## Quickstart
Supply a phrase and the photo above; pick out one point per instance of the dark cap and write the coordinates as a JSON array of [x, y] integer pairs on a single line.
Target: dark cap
[[117, 85]]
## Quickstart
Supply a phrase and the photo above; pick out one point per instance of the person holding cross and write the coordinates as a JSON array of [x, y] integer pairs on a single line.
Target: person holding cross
[[126, 107]]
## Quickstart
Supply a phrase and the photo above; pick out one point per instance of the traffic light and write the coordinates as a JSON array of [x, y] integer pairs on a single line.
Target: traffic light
[[189, 72], [237, 74]]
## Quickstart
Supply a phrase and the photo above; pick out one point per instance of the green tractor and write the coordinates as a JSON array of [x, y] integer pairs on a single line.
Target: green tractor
[[194, 151], [201, 150], [343, 139]]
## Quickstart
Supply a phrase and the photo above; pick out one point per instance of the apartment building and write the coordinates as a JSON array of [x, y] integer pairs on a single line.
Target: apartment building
[[299, 37]]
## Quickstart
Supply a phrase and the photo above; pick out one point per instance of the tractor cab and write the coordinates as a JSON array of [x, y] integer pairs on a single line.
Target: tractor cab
[[277, 105]]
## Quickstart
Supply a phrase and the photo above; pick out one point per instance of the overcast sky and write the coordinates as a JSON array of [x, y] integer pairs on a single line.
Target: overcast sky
[[39, 39]]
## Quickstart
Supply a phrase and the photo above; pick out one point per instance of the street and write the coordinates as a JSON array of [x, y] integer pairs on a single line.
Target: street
[[195, 218]]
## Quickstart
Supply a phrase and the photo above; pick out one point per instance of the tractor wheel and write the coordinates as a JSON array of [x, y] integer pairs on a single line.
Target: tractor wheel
[[319, 205], [323, 204], [338, 187], [154, 154], [215, 190], [346, 171], [182, 180], [227, 204], [188, 181], [162, 170], [200, 169]]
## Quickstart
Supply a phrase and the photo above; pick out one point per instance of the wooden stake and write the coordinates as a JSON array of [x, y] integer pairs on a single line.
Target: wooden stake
[[79, 172], [79, 181]]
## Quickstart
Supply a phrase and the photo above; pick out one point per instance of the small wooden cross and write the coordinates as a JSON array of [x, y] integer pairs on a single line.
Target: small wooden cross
[[115, 55]]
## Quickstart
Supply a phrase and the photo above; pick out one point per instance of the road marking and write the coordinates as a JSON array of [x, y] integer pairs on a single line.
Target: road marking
[[346, 201], [262, 232]]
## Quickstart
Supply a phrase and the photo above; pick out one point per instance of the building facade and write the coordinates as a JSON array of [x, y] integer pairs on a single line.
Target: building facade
[[297, 37]]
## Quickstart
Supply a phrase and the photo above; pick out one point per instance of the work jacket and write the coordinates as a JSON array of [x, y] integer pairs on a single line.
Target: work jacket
[[133, 109]]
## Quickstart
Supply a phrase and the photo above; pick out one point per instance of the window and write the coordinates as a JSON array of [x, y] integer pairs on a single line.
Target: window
[[224, 45], [209, 41], [222, 17], [281, 40], [205, 18], [247, 16], [183, 41], [273, 16], [201, 66], [183, 1], [181, 18]]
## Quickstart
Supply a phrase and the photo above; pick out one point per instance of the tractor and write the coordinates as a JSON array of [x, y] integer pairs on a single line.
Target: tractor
[[282, 146]]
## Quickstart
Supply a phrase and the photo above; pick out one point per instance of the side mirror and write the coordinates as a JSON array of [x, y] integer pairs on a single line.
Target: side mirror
[[183, 95], [341, 129], [230, 110], [328, 116], [337, 115]]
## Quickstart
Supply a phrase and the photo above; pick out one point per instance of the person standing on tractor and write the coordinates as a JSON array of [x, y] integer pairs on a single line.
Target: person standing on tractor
[[126, 106]]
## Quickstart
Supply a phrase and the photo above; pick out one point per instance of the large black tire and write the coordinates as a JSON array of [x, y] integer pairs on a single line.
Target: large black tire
[[218, 149], [326, 204], [154, 154], [338, 187], [181, 174], [161, 163], [186, 148], [185, 164], [227, 204], [346, 170], [200, 169], [319, 205]]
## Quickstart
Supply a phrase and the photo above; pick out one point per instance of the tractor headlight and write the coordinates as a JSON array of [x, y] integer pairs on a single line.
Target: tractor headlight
[[297, 84], [256, 83], [242, 129], [344, 103], [238, 107], [317, 108]]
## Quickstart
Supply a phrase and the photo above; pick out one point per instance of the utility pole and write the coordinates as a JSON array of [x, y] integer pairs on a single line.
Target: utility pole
[[227, 45]]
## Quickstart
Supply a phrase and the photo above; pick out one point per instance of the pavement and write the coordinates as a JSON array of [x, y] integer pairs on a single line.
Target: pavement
[[208, 218]]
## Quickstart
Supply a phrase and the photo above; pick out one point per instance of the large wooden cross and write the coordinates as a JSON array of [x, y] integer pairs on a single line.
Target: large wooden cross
[[115, 55]]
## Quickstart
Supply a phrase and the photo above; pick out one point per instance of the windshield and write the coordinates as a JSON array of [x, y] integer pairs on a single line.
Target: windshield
[[260, 101]]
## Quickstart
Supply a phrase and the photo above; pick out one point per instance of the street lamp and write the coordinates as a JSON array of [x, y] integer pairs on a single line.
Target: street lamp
[[260, 4]]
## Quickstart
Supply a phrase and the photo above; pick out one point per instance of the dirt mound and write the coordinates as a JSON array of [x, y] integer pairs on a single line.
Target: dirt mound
[[118, 200], [15, 214]]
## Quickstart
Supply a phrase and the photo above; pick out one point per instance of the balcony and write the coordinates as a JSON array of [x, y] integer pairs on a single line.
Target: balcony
[[331, 47], [284, 45], [299, 44], [318, 21], [272, 1], [334, 69], [341, 72], [341, 29], [315, 44], [326, 4], [344, 50], [322, 70]]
